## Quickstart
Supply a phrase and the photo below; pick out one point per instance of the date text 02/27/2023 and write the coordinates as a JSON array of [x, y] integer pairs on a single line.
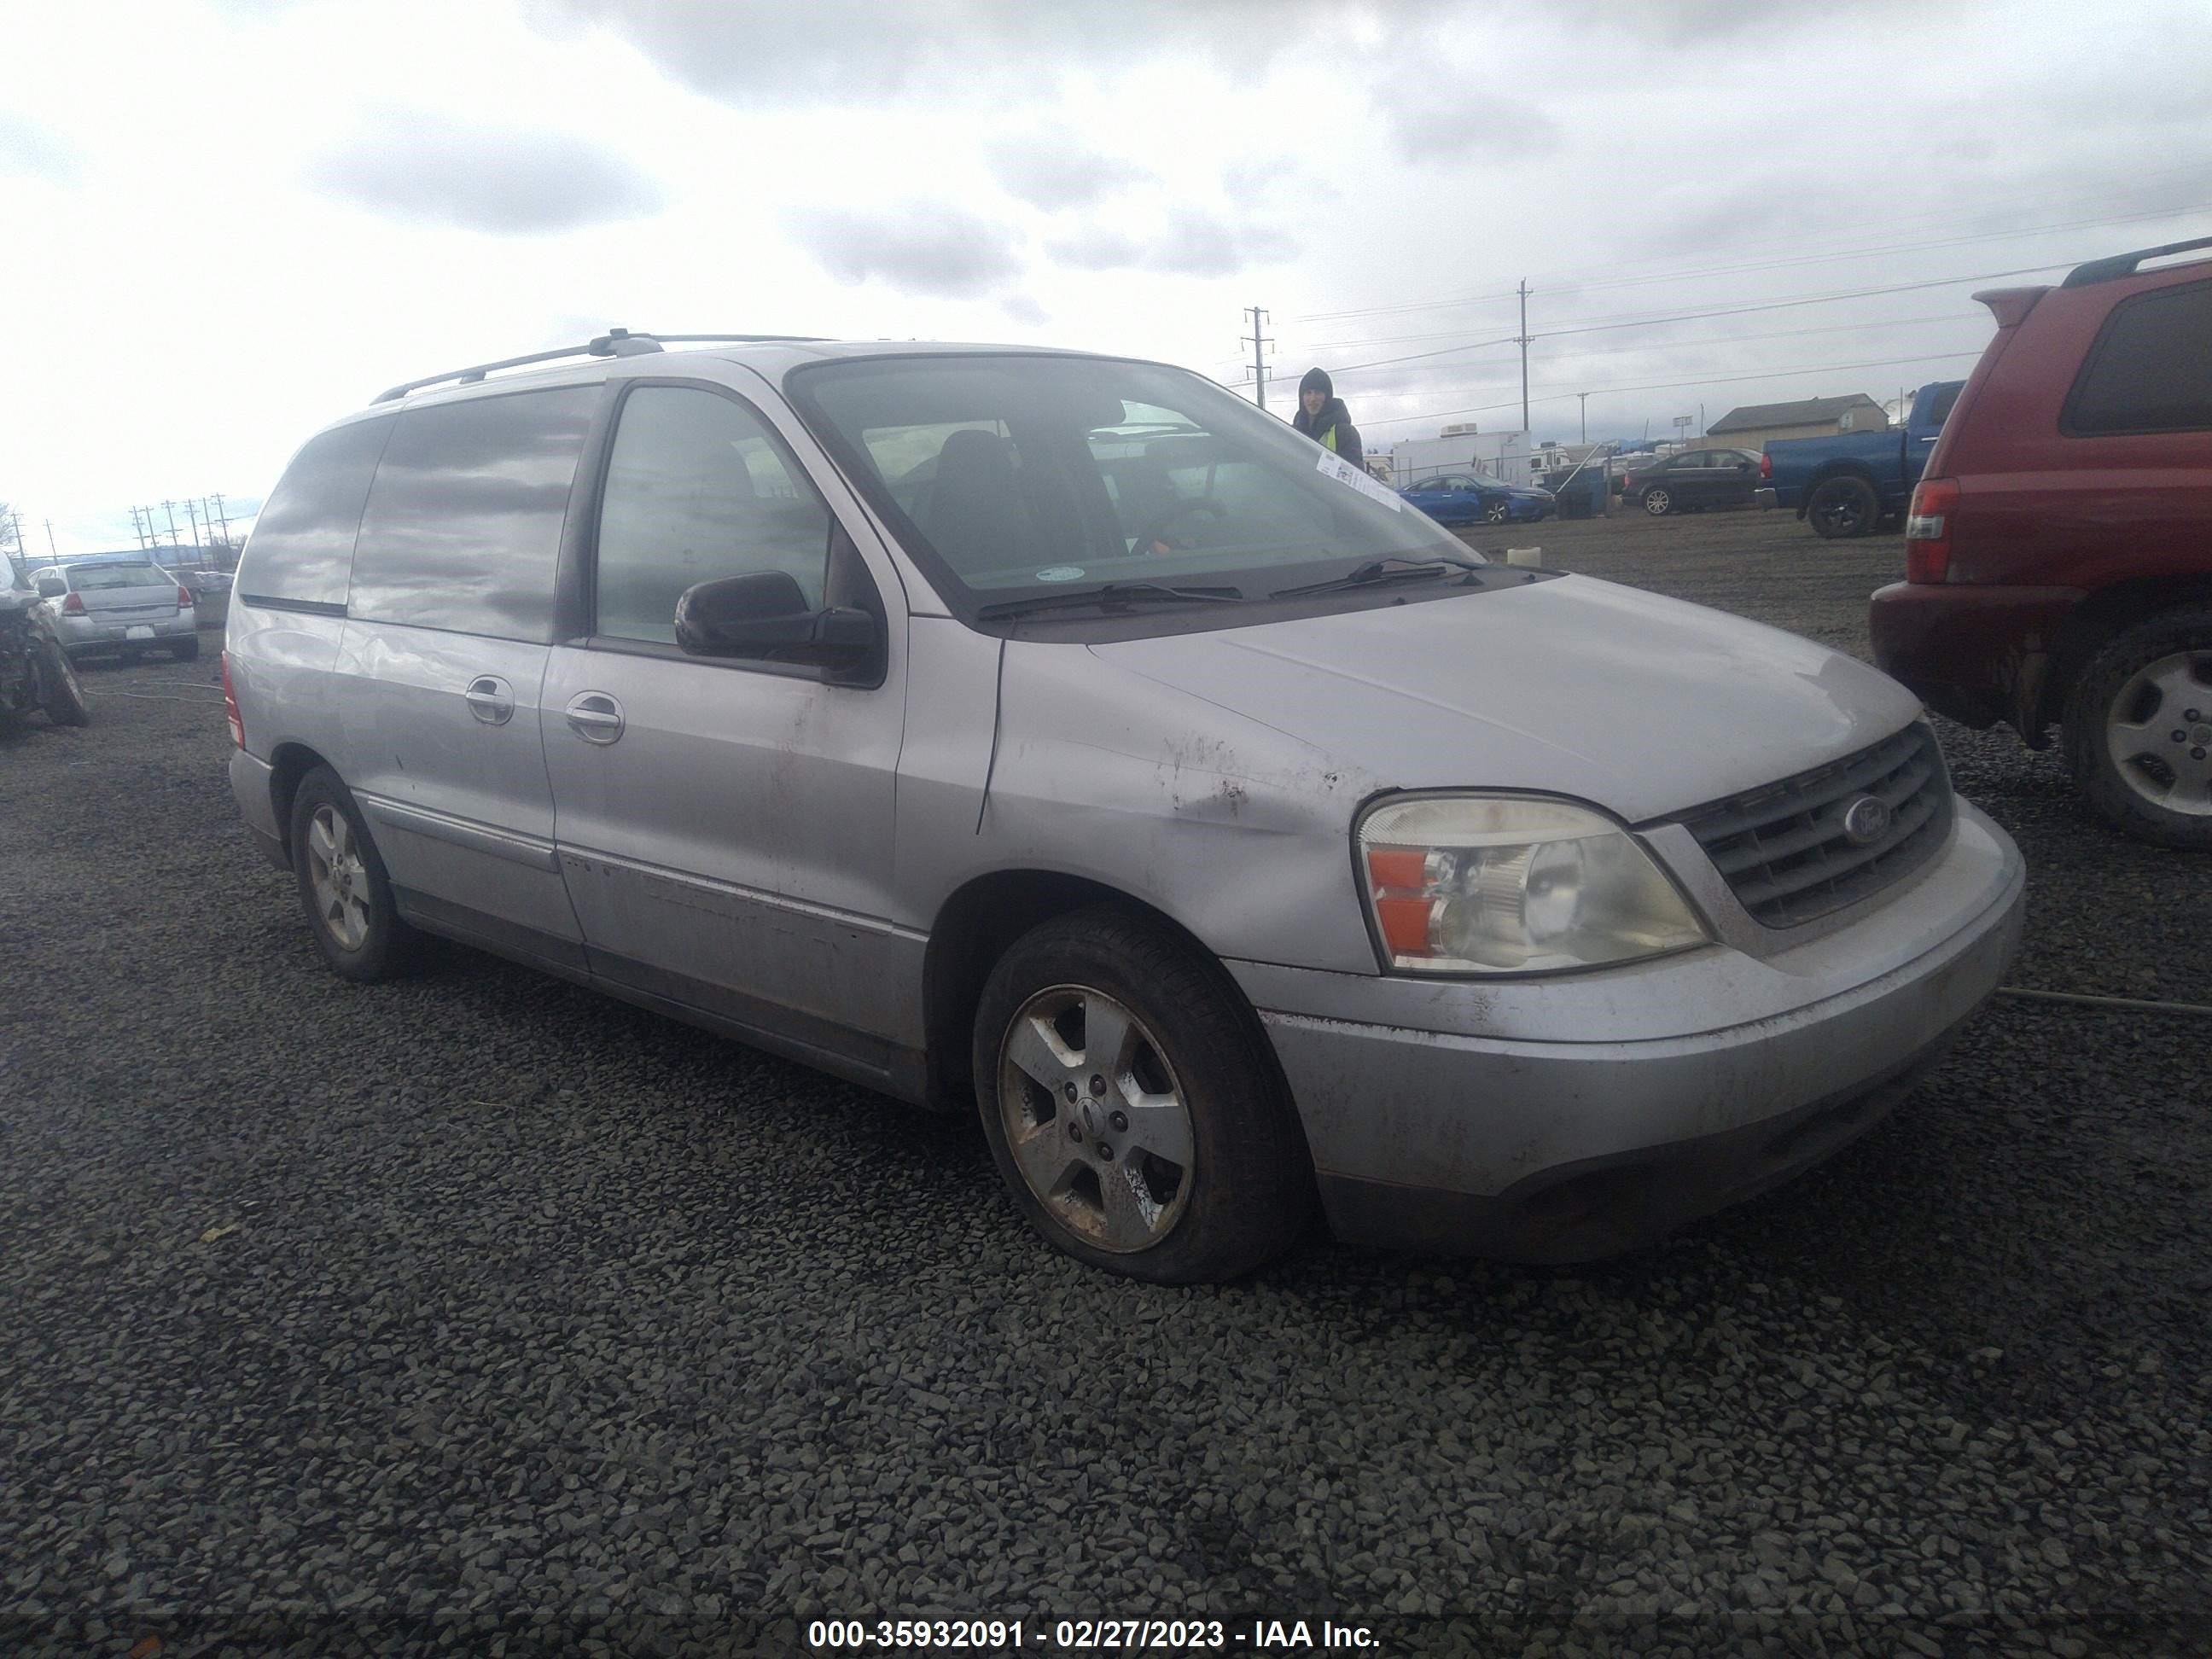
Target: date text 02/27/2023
[[1086, 1635]]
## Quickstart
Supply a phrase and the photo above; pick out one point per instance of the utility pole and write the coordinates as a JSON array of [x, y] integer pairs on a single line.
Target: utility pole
[[1258, 341], [1523, 337], [52, 551], [169, 507], [1584, 396], [136, 528]]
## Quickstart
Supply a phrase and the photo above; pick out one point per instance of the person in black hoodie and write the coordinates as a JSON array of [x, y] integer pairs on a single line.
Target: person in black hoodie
[[1323, 417]]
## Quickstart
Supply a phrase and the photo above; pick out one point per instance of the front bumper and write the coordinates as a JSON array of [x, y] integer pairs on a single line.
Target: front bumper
[[1979, 654], [1564, 1119]]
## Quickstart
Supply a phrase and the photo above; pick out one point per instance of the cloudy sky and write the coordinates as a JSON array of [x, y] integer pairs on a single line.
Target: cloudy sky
[[229, 221]]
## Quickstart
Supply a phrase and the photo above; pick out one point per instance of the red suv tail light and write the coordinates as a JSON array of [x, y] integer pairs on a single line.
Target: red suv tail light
[[230, 706], [74, 605], [184, 597], [1766, 464], [1927, 530]]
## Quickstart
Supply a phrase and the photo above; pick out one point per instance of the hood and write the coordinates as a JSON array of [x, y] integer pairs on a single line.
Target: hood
[[1642, 705]]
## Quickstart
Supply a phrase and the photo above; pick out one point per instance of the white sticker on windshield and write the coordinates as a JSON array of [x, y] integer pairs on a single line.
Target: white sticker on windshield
[[1061, 573], [1345, 473]]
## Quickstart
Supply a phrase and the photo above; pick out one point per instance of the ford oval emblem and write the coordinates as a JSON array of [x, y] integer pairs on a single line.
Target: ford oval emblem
[[1866, 820]]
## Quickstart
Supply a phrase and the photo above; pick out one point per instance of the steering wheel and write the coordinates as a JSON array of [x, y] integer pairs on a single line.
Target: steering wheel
[[1154, 538]]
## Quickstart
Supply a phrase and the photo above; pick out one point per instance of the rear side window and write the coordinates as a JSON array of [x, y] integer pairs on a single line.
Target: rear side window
[[2151, 370], [463, 527], [1939, 407], [301, 548]]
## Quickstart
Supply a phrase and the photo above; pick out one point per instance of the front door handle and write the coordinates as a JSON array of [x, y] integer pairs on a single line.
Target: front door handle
[[595, 717], [491, 699]]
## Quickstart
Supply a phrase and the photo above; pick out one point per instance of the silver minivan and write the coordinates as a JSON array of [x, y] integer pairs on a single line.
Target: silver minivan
[[1061, 738]]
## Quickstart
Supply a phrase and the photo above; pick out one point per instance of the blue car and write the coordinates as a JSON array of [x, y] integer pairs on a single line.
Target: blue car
[[1470, 498]]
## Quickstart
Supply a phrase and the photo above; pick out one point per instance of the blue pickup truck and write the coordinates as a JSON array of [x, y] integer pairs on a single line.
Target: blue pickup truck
[[1846, 485]]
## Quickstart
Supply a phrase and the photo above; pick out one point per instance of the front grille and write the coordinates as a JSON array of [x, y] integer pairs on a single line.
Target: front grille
[[1782, 848]]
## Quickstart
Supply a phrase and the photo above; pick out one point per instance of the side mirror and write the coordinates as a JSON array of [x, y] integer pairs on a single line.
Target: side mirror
[[763, 617]]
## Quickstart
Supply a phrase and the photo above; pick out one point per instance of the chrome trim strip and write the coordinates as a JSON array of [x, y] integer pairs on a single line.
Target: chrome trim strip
[[476, 837], [682, 887]]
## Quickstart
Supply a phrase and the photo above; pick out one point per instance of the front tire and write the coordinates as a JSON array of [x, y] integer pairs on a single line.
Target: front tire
[[2138, 730], [1132, 1105], [1843, 507], [1658, 503], [1497, 512], [343, 887], [58, 689]]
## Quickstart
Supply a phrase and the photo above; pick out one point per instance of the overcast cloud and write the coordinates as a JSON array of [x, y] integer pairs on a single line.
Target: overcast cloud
[[32, 151], [769, 52], [421, 167], [1050, 168], [1686, 199], [916, 247], [1188, 242]]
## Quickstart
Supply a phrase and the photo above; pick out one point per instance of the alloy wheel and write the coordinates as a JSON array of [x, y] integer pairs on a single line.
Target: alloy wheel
[[2159, 733], [339, 878], [1096, 1119]]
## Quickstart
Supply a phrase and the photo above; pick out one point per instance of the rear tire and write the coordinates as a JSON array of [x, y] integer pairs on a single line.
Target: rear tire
[[59, 689], [1658, 503], [2143, 763], [343, 887], [1843, 507], [1168, 1150]]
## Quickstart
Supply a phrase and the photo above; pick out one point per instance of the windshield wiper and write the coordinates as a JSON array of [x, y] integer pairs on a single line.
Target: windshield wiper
[[1111, 593], [1392, 569]]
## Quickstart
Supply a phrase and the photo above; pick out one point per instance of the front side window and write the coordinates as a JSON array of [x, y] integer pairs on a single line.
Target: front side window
[[462, 526], [697, 490], [1020, 476], [2152, 369]]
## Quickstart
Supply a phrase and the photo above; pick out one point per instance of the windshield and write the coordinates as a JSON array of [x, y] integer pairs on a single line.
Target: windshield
[[1017, 475], [90, 578]]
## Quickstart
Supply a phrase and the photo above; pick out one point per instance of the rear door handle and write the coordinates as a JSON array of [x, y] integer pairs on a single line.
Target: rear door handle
[[595, 717], [491, 699]]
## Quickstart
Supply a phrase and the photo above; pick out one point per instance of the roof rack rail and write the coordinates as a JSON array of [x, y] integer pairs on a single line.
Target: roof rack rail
[[615, 342], [2123, 264]]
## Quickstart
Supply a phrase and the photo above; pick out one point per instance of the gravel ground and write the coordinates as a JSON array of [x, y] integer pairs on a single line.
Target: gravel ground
[[478, 1313]]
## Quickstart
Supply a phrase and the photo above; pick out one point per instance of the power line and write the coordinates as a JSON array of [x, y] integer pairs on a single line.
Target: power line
[[1568, 280], [1581, 356], [1723, 311], [1669, 385]]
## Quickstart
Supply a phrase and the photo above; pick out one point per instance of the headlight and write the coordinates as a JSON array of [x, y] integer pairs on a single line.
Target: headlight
[[1508, 884]]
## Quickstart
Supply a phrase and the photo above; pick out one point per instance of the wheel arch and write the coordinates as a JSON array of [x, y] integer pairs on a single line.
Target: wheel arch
[[2094, 623], [975, 926], [288, 763]]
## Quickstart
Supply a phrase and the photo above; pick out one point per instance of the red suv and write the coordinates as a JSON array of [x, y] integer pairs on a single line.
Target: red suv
[[2058, 553]]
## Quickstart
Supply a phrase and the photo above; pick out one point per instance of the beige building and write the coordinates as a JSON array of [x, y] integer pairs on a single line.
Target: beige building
[[1756, 425]]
